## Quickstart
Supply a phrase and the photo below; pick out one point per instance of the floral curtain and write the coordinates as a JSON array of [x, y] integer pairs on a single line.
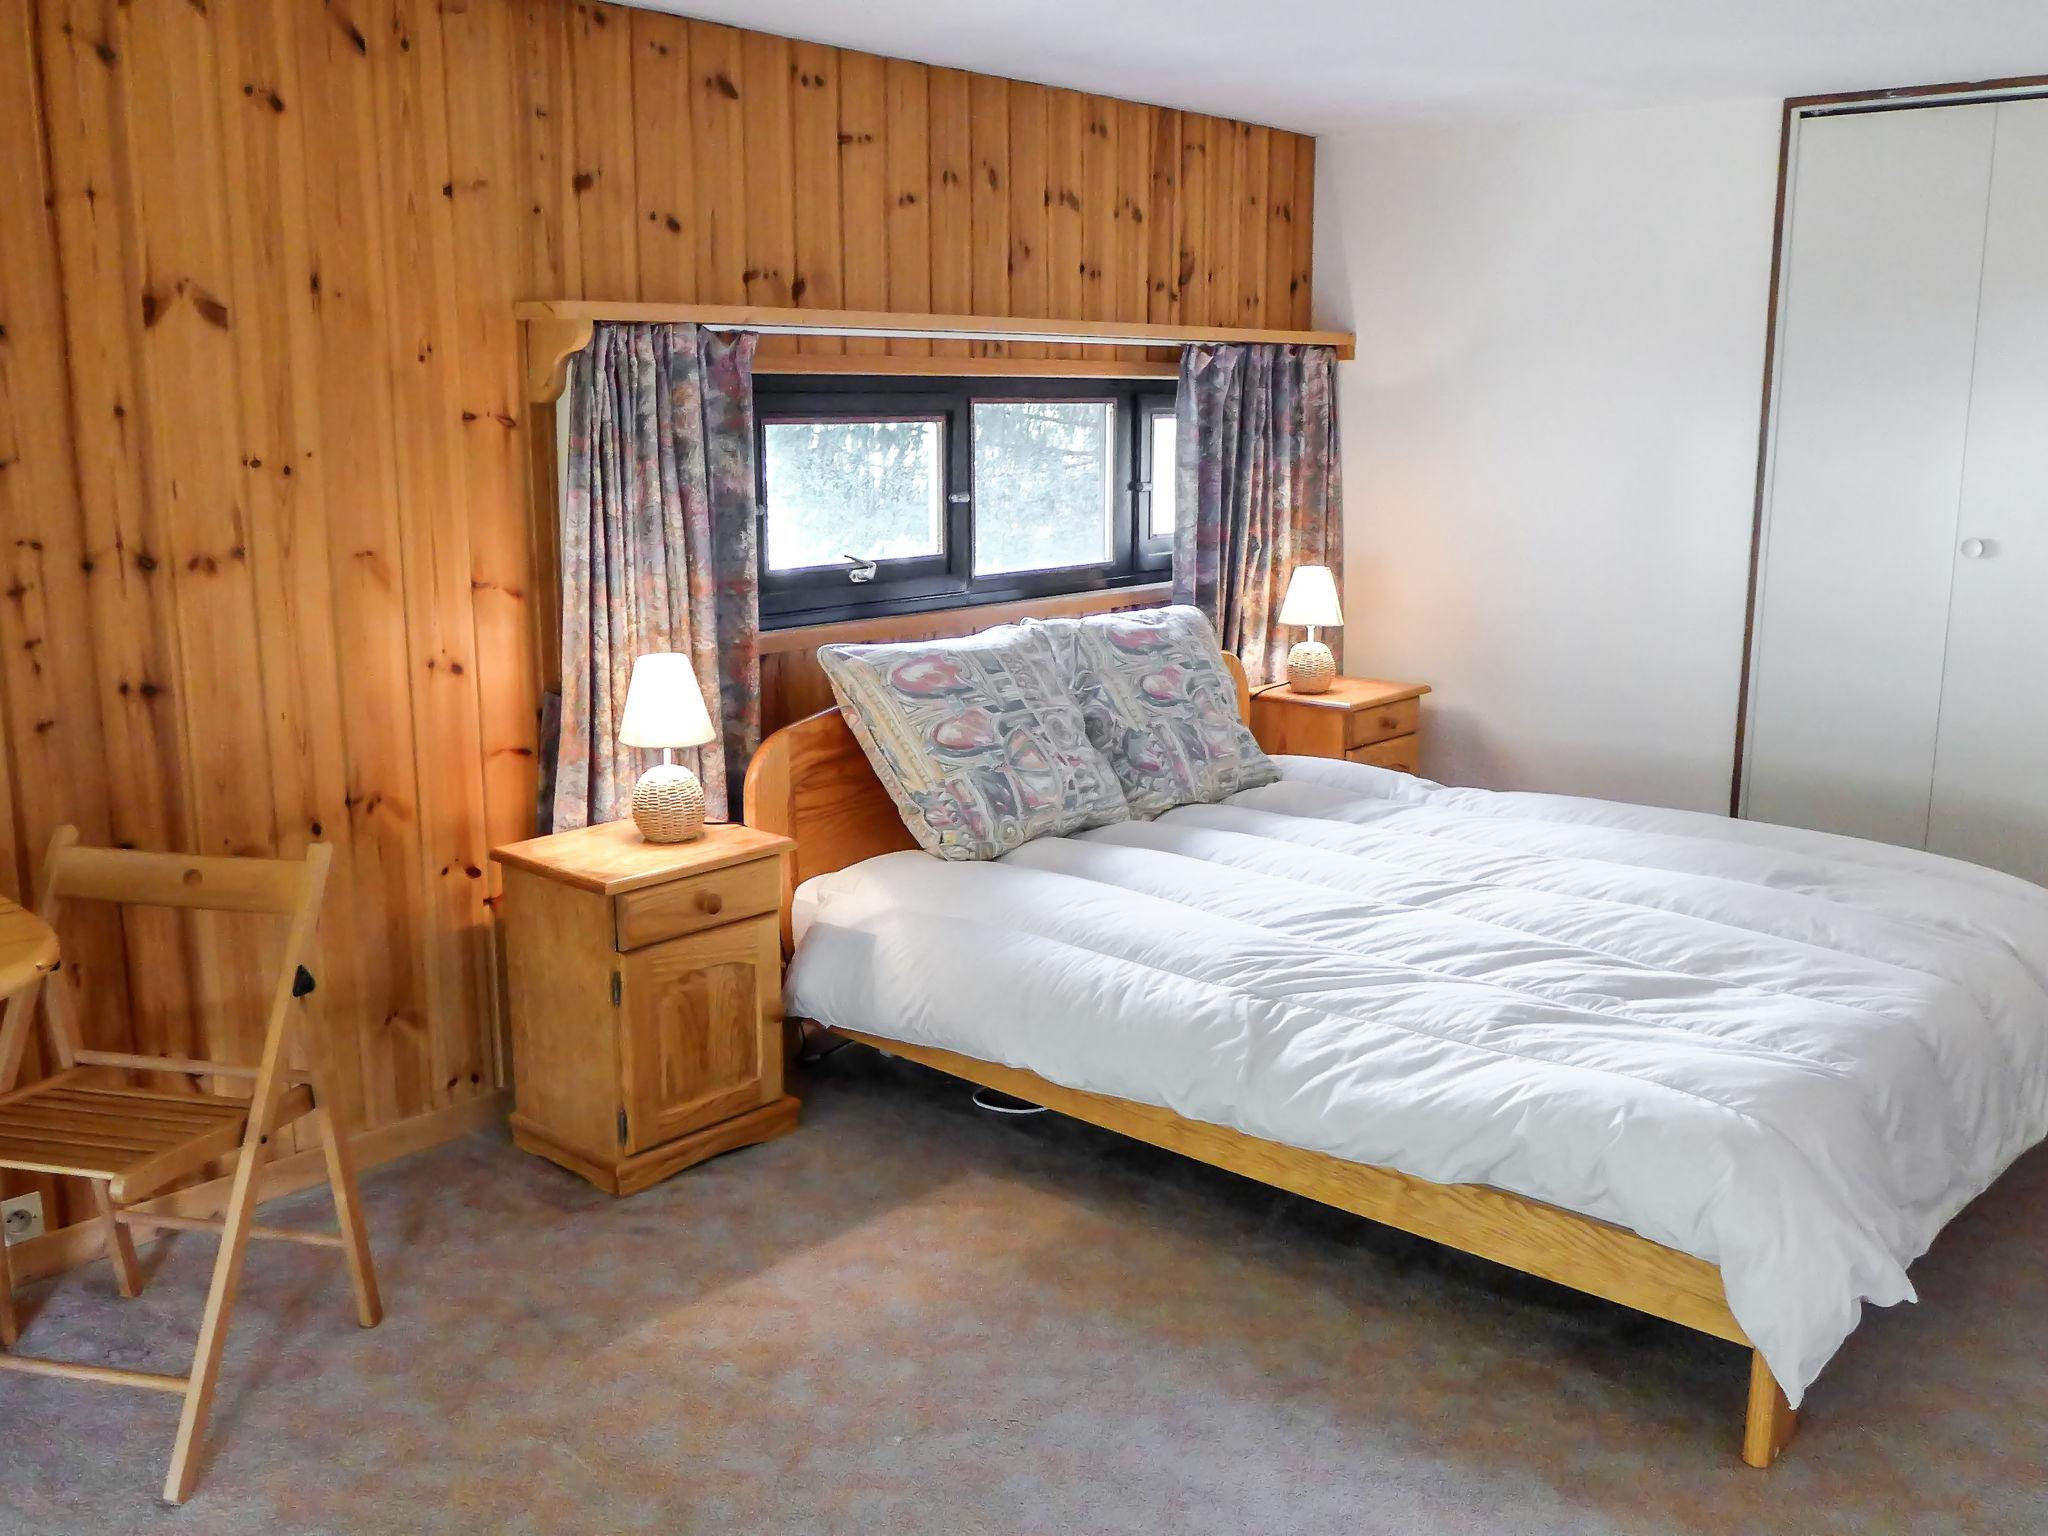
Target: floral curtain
[[1258, 489], [658, 532]]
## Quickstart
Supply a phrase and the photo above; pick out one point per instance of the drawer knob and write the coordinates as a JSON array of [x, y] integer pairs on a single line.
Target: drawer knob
[[709, 903]]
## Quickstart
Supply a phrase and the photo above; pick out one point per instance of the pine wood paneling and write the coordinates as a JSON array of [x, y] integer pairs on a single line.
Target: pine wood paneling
[[547, 105], [1030, 207], [1257, 216], [769, 194], [434, 548], [605, 177], [1163, 222], [1066, 180], [1303, 226], [197, 441], [480, 50], [131, 659], [269, 245], [989, 215], [950, 138], [907, 194], [863, 188], [1192, 273], [1126, 288], [717, 126], [1278, 306], [268, 576], [1099, 211], [664, 167], [820, 241], [52, 709], [1224, 166], [350, 450]]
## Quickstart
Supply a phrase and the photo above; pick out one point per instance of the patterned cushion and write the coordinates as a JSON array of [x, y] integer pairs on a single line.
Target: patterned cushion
[[976, 740], [1160, 706]]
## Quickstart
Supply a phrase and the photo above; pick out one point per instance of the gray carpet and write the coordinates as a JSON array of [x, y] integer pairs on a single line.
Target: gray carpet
[[910, 1317]]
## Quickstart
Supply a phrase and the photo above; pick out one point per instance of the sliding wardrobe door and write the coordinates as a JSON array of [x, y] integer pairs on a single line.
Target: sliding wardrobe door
[[1990, 801], [1876, 335]]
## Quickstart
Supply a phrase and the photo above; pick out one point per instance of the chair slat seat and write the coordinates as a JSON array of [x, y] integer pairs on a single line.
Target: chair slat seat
[[136, 1139]]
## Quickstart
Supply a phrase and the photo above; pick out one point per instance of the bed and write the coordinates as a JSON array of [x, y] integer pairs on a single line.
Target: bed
[[1730, 1075]]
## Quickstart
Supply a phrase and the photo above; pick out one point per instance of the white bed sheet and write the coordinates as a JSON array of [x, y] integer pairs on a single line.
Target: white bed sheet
[[1790, 1054]]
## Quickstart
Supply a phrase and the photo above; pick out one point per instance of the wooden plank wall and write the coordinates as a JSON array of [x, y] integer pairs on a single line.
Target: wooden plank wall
[[261, 478]]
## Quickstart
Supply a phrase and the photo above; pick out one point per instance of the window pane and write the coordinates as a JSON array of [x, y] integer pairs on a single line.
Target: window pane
[[1044, 484], [1159, 505], [872, 489]]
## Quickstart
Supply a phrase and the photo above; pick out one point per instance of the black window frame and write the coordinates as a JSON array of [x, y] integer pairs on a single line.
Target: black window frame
[[828, 594], [1152, 553]]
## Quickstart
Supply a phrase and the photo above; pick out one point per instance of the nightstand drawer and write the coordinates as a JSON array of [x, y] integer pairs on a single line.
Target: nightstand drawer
[[1403, 753], [697, 902], [1364, 726]]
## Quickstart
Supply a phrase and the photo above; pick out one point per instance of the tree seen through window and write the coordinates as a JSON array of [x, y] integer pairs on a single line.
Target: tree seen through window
[[1043, 484]]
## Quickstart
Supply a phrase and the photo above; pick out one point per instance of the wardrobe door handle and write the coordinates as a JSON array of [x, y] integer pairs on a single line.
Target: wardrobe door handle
[[1979, 549]]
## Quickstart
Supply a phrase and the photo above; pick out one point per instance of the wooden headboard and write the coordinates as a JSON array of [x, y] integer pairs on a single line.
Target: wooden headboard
[[812, 782]]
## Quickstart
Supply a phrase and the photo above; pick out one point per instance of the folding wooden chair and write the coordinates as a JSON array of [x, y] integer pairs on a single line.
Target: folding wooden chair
[[86, 1120]]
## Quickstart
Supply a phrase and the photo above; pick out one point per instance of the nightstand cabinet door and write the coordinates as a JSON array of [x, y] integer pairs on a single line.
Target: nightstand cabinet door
[[700, 1029]]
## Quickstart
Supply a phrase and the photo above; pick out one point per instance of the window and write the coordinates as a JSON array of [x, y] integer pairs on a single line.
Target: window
[[880, 485], [882, 494], [1158, 483], [1044, 484]]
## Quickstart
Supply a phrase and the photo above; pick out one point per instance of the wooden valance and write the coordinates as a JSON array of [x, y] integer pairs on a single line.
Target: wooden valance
[[557, 329]]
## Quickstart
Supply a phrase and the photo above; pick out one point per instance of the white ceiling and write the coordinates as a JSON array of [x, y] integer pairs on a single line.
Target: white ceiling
[[1322, 66]]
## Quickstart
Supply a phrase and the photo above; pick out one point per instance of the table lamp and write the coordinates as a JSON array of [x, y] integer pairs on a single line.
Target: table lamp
[[1311, 601], [665, 709]]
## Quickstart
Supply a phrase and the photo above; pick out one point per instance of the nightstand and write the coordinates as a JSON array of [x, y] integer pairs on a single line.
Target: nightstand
[[1361, 718], [646, 998]]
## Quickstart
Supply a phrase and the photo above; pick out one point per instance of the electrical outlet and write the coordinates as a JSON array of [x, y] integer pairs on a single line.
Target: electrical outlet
[[22, 1217]]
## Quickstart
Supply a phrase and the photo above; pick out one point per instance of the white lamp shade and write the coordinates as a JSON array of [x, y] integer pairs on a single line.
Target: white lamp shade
[[664, 706], [1312, 598]]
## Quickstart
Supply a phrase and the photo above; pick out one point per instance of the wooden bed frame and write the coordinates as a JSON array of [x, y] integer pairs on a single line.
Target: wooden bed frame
[[810, 781]]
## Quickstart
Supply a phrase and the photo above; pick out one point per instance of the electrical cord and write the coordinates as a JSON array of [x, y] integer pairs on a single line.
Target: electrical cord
[[803, 1033], [992, 1100], [986, 1098]]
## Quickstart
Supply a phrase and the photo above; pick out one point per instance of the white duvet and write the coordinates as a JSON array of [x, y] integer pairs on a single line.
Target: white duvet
[[1793, 1055]]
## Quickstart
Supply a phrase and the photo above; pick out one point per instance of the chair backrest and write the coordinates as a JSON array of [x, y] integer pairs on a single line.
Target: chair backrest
[[288, 888], [133, 878]]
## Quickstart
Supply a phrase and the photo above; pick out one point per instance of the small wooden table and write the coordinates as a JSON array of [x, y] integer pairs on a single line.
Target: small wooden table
[[646, 992], [28, 947], [1362, 719], [28, 952]]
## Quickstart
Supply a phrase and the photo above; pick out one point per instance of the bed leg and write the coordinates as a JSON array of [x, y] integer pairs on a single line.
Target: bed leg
[[1771, 1420]]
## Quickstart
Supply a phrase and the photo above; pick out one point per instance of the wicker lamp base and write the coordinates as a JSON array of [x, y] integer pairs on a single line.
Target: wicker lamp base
[[668, 804], [1311, 668]]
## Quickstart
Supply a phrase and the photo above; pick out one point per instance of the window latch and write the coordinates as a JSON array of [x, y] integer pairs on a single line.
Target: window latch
[[861, 571]]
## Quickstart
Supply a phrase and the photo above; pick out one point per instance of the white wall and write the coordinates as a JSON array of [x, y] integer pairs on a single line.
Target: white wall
[[1550, 434]]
